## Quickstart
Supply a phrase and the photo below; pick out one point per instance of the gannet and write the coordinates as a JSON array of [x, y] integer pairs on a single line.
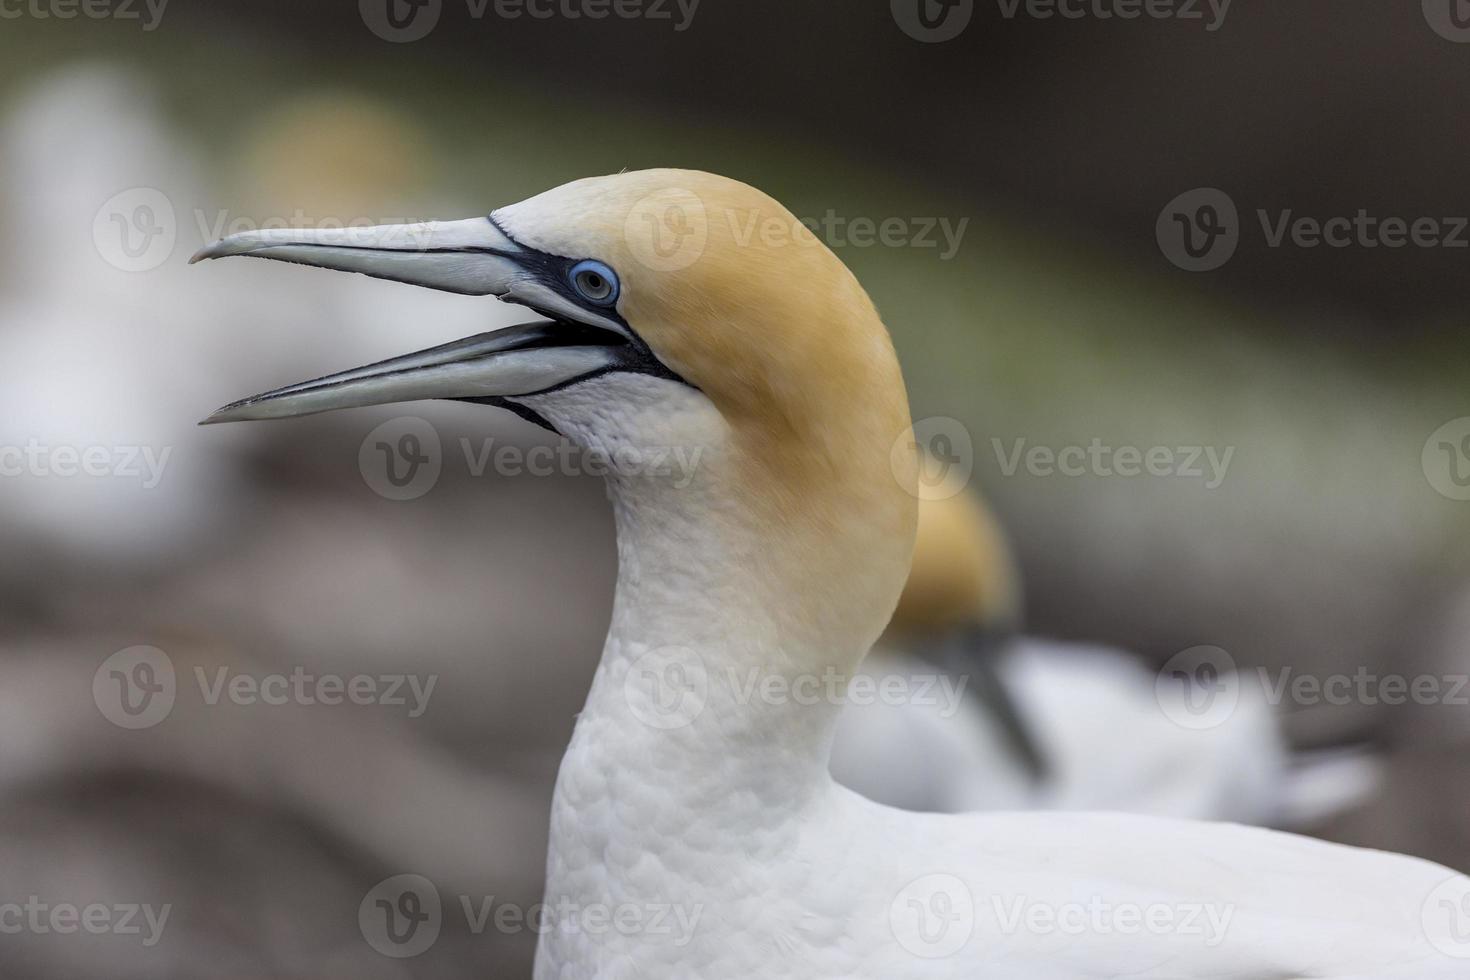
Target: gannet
[[1103, 724], [967, 744], [668, 324]]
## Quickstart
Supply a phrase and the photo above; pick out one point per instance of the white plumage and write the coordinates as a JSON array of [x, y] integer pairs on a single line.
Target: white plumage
[[696, 831], [1108, 742]]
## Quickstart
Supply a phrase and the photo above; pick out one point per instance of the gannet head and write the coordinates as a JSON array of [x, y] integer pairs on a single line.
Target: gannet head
[[679, 307]]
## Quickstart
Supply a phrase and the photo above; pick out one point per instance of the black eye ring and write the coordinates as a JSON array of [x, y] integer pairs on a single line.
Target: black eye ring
[[595, 282]]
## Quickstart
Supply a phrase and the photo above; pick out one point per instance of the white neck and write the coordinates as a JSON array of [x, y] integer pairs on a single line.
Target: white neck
[[719, 689], [703, 669]]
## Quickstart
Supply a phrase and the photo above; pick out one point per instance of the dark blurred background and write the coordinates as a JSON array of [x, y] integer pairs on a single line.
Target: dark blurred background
[[1057, 148]]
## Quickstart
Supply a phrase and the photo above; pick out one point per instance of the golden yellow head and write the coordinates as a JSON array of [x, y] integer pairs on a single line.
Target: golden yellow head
[[742, 300], [731, 291]]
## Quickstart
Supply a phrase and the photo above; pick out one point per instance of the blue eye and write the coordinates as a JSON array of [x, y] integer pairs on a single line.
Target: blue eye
[[595, 282]]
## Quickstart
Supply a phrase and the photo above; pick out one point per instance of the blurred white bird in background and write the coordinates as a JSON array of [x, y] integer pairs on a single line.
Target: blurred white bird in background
[[111, 350], [109, 346], [94, 360], [1105, 731]]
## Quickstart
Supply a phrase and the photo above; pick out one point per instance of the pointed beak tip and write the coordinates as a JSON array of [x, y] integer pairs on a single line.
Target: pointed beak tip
[[219, 415], [212, 251]]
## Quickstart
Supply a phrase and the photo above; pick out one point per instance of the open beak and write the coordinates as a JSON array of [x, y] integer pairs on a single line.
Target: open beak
[[471, 257]]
